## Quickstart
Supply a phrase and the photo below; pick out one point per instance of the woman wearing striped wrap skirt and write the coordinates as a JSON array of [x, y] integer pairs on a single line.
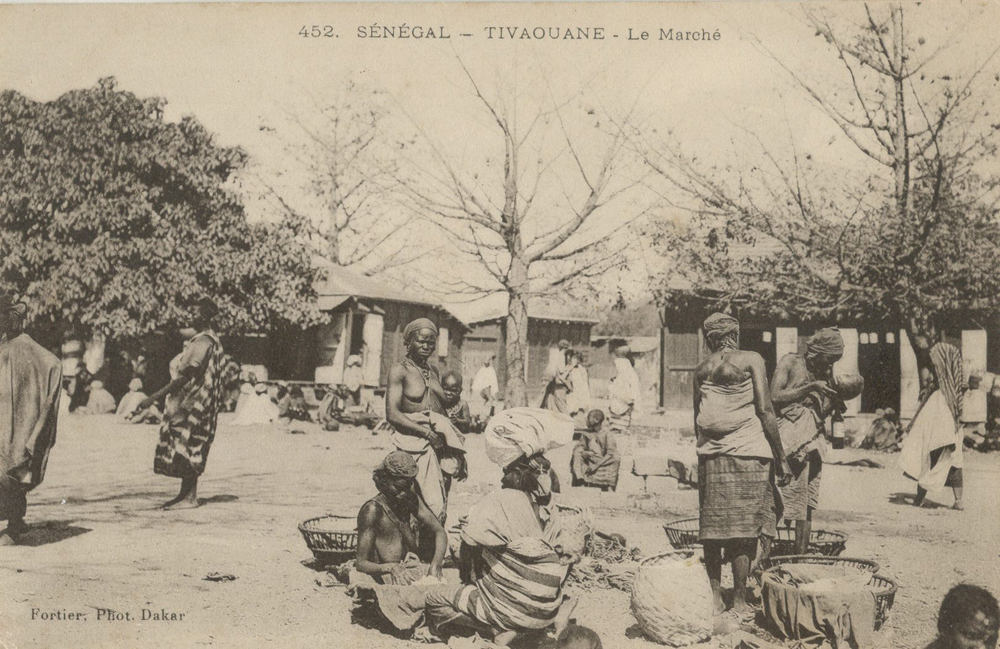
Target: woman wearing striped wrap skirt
[[740, 457]]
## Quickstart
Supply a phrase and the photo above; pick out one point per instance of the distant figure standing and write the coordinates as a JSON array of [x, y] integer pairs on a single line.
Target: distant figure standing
[[974, 410], [30, 388], [932, 449], [354, 378], [189, 422], [485, 390], [625, 390], [579, 389], [557, 378], [802, 394]]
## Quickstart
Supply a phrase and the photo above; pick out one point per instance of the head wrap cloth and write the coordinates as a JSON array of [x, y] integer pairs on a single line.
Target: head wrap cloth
[[523, 432], [417, 325], [720, 326], [826, 341], [398, 465], [947, 360]]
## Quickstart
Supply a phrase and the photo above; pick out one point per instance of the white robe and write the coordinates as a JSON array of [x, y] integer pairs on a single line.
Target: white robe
[[934, 428]]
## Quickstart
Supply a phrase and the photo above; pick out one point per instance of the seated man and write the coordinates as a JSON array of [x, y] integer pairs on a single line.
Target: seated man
[[391, 523], [294, 406], [596, 460], [511, 562], [456, 408]]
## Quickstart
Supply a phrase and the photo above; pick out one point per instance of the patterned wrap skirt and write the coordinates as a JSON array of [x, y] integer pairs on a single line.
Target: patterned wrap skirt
[[736, 497]]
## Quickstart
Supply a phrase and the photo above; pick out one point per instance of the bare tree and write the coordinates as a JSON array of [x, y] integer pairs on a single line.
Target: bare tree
[[531, 224], [881, 248], [344, 158]]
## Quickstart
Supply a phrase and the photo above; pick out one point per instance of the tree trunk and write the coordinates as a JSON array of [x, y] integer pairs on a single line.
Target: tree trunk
[[516, 333]]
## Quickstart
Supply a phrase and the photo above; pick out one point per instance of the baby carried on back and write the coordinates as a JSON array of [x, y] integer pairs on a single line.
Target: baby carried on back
[[727, 416]]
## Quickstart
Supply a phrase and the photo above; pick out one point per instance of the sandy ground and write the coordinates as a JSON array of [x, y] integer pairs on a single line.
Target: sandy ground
[[98, 542]]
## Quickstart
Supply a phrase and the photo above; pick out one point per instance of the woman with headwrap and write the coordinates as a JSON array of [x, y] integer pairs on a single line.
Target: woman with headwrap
[[413, 407], [740, 457], [30, 388], [802, 394], [932, 449], [193, 401], [512, 560], [625, 391]]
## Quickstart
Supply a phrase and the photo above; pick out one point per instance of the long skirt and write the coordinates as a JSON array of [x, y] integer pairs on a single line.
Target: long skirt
[[182, 451], [736, 498], [802, 493]]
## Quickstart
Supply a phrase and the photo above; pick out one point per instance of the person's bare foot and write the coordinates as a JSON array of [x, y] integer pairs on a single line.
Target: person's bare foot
[[183, 503], [958, 506], [718, 607]]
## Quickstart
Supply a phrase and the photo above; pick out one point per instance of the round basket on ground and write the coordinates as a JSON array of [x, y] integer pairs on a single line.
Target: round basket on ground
[[846, 562], [885, 596], [576, 528], [825, 542], [682, 533], [794, 592], [672, 598], [332, 539]]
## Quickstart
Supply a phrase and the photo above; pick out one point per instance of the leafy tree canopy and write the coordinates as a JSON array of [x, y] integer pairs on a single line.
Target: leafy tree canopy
[[113, 219]]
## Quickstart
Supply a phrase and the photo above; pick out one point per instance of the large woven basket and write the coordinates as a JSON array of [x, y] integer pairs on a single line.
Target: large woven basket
[[825, 542], [672, 599], [332, 539], [883, 590], [683, 533], [576, 528], [847, 562], [885, 596]]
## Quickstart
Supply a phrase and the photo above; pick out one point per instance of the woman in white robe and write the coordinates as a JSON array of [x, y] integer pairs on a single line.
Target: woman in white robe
[[932, 450]]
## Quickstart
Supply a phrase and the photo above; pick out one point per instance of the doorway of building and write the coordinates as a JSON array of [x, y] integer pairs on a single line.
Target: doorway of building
[[878, 363]]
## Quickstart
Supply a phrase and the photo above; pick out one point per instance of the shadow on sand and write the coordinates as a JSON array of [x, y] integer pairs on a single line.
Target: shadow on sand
[[221, 498], [50, 532], [908, 498]]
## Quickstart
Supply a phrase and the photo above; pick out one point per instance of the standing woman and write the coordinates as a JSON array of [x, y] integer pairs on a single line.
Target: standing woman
[[557, 386], [192, 412], [932, 450]]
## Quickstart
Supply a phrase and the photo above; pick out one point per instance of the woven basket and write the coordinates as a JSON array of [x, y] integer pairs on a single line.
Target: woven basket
[[332, 539], [847, 562], [672, 599], [576, 528], [885, 596], [824, 542], [683, 533]]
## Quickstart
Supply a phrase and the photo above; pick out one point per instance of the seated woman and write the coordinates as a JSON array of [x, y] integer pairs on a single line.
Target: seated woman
[[294, 407], [100, 401], [595, 459], [255, 405], [511, 562], [390, 527]]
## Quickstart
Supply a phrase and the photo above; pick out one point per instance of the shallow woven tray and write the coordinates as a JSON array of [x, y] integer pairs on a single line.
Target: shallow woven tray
[[825, 542], [683, 533], [332, 539], [850, 562]]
